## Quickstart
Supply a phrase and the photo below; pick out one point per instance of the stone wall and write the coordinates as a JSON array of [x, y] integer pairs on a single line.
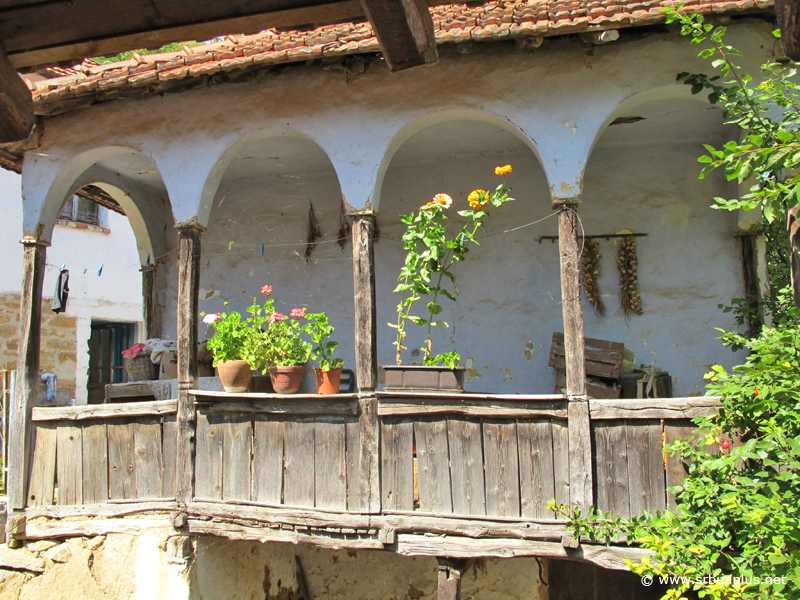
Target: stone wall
[[59, 346]]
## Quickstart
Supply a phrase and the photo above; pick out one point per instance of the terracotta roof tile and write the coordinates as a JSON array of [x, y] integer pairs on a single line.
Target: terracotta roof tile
[[453, 23]]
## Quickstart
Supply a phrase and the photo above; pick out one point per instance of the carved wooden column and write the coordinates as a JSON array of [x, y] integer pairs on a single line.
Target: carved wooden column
[[366, 334], [580, 442], [188, 301], [151, 309], [26, 395]]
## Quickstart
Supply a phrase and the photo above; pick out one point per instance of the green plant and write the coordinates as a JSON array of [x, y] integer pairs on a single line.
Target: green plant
[[430, 255], [234, 338], [321, 331]]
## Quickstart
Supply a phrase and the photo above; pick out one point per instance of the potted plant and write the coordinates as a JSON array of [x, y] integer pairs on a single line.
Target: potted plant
[[329, 372], [426, 273], [234, 347]]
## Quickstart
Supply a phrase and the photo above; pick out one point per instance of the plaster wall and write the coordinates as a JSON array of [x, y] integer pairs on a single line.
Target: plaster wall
[[115, 295]]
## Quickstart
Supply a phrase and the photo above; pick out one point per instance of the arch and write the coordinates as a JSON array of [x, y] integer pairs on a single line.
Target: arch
[[217, 171], [441, 116], [146, 208]]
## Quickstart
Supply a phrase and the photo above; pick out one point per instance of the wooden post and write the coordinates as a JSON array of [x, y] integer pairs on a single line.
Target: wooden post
[[450, 579], [188, 301], [580, 442], [151, 309], [26, 395], [364, 283]]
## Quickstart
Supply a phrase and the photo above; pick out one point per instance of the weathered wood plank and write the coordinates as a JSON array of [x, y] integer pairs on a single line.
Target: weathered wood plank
[[656, 468], [188, 311], [561, 465], [298, 485], [449, 579], [104, 411], [277, 405], [16, 104], [151, 307], [397, 465], [645, 467], [537, 479], [473, 408], [501, 459], [355, 481], [363, 230], [580, 455], [43, 467], [330, 467], [611, 443], [433, 465], [571, 297], [121, 482], [210, 444], [466, 466], [26, 393], [677, 467], [69, 465], [169, 450], [654, 408], [613, 348], [404, 30], [148, 463], [95, 463], [236, 456], [116, 509], [267, 460]]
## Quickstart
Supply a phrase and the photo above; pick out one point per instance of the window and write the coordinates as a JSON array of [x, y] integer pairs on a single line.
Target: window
[[81, 210]]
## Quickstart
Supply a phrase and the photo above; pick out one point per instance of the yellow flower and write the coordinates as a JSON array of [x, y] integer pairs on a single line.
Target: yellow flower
[[443, 200], [502, 170], [477, 199]]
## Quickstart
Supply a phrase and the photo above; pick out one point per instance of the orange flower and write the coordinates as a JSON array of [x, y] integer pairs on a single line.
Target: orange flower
[[502, 170], [477, 199]]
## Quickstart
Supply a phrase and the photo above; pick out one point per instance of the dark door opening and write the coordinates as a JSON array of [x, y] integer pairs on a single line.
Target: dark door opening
[[106, 343]]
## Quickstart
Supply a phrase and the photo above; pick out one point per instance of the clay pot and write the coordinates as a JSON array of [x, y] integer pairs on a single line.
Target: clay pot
[[235, 375], [286, 380], [328, 381]]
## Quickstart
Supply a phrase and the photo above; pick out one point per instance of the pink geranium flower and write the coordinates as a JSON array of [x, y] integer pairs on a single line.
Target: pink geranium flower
[[298, 313], [274, 317], [266, 290], [211, 318]]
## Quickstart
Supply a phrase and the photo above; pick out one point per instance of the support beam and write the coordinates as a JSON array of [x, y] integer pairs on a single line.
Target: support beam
[[16, 104], [404, 30], [188, 305], [151, 309], [580, 442], [450, 579], [26, 395], [366, 314]]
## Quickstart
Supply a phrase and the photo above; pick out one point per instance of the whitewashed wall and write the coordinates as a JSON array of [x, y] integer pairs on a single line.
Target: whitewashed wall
[[115, 295]]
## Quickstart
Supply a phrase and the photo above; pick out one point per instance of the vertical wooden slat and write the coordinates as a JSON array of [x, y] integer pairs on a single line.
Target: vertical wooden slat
[[188, 307], [466, 467], [655, 468], [69, 465], [148, 464], [397, 464], [355, 481], [330, 469], [611, 445], [267, 460], [364, 297], [43, 467], [369, 433], [537, 480], [95, 463], [121, 483], [236, 456], [210, 444], [676, 468], [433, 465], [560, 460], [26, 394], [645, 467], [299, 452], [169, 446], [502, 468]]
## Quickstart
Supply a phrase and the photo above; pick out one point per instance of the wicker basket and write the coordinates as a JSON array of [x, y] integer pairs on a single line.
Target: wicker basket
[[141, 368]]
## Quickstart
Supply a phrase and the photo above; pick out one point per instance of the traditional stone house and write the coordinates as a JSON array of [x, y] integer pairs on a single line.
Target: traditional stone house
[[248, 162]]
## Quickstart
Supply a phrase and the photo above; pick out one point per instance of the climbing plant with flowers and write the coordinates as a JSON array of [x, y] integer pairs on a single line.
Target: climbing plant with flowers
[[430, 256], [265, 338]]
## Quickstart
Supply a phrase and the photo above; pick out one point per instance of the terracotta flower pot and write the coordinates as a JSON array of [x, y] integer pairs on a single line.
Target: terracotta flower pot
[[235, 375], [286, 380], [328, 381]]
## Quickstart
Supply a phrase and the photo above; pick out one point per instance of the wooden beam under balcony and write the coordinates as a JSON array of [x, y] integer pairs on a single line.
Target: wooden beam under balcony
[[404, 30], [16, 104]]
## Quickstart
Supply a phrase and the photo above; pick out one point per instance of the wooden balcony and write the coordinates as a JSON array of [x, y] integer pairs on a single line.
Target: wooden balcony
[[418, 474]]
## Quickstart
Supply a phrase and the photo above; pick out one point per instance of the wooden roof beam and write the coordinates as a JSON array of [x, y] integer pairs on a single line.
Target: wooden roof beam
[[405, 31], [16, 104]]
